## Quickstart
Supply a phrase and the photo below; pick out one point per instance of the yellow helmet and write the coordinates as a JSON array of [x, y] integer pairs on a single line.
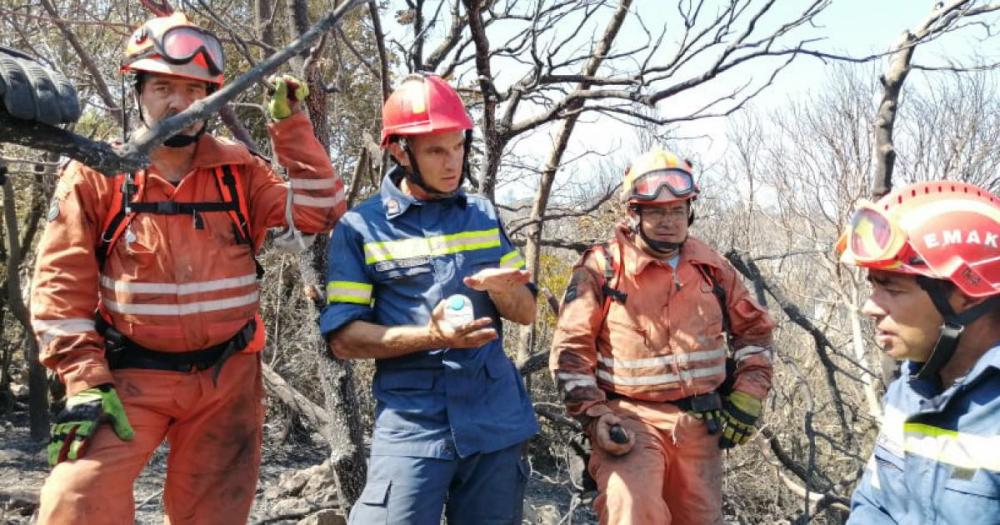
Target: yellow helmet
[[659, 177]]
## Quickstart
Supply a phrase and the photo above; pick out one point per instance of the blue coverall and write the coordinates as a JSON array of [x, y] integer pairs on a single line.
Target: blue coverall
[[937, 459], [449, 424]]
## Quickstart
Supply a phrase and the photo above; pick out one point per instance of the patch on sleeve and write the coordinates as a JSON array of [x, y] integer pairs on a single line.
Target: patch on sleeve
[[53, 210], [571, 288]]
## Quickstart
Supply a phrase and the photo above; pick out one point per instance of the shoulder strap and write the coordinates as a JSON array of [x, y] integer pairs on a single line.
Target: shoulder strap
[[232, 193], [612, 274], [231, 189], [126, 188], [126, 203], [708, 272]]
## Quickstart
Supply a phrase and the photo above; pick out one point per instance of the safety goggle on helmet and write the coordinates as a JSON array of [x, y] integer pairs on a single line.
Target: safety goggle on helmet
[[172, 45], [659, 177], [942, 230]]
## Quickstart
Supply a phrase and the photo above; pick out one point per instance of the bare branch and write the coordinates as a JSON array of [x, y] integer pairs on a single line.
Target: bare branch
[[135, 153]]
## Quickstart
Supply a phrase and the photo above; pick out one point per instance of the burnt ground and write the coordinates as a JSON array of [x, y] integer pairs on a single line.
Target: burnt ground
[[23, 468]]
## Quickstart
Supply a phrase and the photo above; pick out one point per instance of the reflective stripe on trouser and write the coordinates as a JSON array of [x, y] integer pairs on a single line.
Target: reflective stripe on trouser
[[673, 474], [482, 488], [215, 438]]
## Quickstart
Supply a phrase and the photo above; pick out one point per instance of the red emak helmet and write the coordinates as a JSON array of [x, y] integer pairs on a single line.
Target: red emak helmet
[[942, 230], [423, 104]]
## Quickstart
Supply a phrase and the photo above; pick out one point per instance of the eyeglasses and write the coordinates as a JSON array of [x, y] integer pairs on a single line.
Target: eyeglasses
[[648, 185], [873, 239], [182, 44]]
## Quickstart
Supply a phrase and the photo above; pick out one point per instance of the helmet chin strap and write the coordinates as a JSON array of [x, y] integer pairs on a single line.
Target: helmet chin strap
[[659, 246], [414, 176], [952, 327]]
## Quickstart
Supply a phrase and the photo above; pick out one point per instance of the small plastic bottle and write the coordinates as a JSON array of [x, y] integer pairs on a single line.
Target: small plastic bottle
[[458, 310]]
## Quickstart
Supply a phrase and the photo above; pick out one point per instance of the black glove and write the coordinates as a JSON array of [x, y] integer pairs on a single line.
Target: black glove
[[31, 91]]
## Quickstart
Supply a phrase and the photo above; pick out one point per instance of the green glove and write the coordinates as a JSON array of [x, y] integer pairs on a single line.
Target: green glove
[[740, 412], [84, 413], [287, 91]]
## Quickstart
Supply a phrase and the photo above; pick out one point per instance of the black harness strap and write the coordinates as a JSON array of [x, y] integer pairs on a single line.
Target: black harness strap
[[612, 273], [231, 204], [241, 230]]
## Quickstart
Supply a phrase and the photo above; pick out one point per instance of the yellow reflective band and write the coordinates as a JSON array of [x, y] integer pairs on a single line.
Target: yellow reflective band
[[348, 292], [954, 448], [512, 260], [428, 246]]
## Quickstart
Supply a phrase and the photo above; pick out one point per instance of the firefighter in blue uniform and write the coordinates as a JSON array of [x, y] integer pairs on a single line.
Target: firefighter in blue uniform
[[931, 251], [452, 412]]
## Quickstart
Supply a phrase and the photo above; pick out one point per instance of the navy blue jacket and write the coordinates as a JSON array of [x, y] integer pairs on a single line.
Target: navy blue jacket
[[392, 259], [937, 459]]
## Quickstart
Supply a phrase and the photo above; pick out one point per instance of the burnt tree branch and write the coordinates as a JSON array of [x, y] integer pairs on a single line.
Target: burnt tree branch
[[134, 154]]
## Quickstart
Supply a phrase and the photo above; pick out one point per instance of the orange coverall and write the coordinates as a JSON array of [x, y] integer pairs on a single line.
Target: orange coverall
[[665, 343], [170, 287]]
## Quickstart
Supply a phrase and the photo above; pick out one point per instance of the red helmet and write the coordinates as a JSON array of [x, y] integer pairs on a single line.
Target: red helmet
[[172, 45], [942, 230], [423, 104], [659, 177]]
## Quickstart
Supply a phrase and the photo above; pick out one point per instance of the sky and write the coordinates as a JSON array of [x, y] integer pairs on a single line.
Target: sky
[[849, 27]]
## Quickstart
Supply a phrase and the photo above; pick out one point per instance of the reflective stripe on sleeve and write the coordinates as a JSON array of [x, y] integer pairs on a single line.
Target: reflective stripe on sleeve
[[348, 292], [318, 202], [49, 329], [313, 184], [571, 381], [751, 350], [428, 246], [512, 260], [58, 327]]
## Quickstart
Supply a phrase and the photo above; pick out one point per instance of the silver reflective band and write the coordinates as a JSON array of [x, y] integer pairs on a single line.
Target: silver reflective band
[[663, 360], [313, 184], [178, 289], [661, 379], [182, 309]]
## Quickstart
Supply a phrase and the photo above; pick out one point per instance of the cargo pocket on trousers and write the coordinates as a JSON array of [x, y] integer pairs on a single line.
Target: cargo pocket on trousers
[[373, 504]]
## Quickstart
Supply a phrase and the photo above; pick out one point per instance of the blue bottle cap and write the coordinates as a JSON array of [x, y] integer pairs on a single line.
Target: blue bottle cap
[[456, 302]]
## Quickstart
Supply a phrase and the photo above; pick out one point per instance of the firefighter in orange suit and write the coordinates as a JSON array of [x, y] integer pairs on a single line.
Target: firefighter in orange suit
[[165, 256], [640, 356]]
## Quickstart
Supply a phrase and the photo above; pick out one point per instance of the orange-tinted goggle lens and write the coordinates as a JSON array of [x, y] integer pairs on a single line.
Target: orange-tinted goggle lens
[[649, 185], [872, 237]]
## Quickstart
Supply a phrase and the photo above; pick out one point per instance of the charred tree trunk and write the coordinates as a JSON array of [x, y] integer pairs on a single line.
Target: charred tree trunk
[[344, 435], [532, 253], [38, 401]]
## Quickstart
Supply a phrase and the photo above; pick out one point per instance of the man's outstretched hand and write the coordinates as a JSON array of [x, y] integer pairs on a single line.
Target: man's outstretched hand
[[497, 279]]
